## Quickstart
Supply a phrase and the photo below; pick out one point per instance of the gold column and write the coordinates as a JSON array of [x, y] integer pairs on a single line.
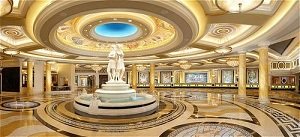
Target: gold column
[[48, 77], [152, 77], [181, 77], [263, 75], [134, 76], [29, 77], [242, 76]]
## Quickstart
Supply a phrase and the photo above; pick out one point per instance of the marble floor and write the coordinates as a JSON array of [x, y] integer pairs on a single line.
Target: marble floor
[[181, 113]]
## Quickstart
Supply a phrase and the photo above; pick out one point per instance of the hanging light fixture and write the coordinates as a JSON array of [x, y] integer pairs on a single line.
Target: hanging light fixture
[[96, 68], [51, 62], [141, 67], [223, 50], [233, 62], [238, 6], [11, 51], [6, 7], [185, 64]]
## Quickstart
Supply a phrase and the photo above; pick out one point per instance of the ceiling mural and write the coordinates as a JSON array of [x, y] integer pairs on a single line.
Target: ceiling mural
[[110, 28]]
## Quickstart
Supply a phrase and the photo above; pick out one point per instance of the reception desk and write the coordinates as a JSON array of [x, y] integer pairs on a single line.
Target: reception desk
[[214, 85]]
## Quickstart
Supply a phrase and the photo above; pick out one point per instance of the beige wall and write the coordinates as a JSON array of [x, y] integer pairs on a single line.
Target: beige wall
[[66, 73]]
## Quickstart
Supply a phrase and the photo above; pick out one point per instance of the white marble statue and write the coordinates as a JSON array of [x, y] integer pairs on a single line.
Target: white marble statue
[[112, 64], [120, 64], [116, 67]]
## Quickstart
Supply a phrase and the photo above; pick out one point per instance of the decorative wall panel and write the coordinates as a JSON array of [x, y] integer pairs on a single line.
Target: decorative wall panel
[[252, 76], [196, 77], [143, 77], [228, 76], [166, 76]]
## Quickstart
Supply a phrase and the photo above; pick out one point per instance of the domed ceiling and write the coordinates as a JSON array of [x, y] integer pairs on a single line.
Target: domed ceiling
[[150, 31]]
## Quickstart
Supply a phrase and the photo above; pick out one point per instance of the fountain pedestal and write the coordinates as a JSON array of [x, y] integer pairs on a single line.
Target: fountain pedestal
[[114, 100]]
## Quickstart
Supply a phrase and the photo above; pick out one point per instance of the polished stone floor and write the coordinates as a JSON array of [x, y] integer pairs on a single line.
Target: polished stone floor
[[181, 113]]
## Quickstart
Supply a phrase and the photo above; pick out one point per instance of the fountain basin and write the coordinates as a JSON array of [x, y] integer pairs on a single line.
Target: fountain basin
[[114, 107]]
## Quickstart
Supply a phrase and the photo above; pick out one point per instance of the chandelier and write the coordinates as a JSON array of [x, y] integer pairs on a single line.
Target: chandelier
[[11, 51], [51, 62], [6, 7], [184, 64], [238, 6], [233, 62], [141, 67], [223, 50], [96, 68]]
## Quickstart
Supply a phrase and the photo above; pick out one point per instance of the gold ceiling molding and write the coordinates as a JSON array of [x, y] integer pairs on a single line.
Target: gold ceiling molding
[[198, 11], [285, 7], [43, 5], [45, 17]]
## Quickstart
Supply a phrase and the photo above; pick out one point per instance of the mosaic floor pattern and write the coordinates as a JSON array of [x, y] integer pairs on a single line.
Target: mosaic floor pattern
[[181, 113]]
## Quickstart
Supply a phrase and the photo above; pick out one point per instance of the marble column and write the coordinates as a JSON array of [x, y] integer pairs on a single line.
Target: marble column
[[134, 76], [48, 77], [97, 80], [38, 77], [263, 75], [152, 77], [29, 77], [242, 76]]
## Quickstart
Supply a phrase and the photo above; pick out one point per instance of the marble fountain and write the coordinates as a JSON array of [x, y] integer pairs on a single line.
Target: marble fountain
[[116, 98]]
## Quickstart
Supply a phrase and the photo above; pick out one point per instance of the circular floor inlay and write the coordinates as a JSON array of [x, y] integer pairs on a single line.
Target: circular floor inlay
[[116, 30], [210, 129], [61, 111], [20, 104]]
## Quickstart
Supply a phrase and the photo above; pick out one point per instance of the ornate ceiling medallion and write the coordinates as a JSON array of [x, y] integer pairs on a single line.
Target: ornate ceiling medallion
[[224, 33], [14, 35], [96, 32]]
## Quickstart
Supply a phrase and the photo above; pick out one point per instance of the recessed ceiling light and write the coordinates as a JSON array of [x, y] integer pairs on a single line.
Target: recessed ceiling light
[[115, 19], [129, 20]]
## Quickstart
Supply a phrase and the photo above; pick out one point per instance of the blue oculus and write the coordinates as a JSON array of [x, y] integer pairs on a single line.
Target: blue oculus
[[115, 30]]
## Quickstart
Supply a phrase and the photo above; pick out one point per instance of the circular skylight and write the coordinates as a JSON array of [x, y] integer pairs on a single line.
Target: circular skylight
[[115, 30]]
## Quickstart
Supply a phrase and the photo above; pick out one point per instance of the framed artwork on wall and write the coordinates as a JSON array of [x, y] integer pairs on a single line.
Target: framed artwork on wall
[[166, 77], [143, 77], [196, 77], [252, 75], [227, 76]]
